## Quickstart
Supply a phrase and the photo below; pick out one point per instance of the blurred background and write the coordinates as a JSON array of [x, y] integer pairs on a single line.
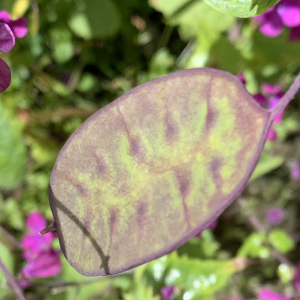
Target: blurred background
[[79, 55]]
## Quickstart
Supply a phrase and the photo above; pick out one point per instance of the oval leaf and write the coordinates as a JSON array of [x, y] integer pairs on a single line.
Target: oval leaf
[[242, 8], [152, 169]]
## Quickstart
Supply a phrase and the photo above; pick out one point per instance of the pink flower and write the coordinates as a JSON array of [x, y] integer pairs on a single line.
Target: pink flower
[[43, 261], [275, 215], [168, 292], [46, 264], [267, 294], [284, 13], [19, 27]]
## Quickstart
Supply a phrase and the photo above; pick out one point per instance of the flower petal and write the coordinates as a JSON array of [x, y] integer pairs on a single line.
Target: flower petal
[[35, 222], [5, 76], [167, 292], [34, 244], [259, 98], [271, 89], [272, 26], [4, 16], [46, 264], [275, 215], [272, 135], [267, 294], [289, 12], [7, 38], [19, 27], [294, 34]]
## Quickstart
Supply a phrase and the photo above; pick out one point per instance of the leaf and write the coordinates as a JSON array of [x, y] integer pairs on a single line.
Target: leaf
[[266, 164], [254, 246], [281, 241], [152, 169], [200, 278], [99, 18], [242, 8], [12, 151]]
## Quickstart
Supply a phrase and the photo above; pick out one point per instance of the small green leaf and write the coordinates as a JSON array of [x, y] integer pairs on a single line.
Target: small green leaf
[[200, 278], [285, 273], [266, 164], [254, 246], [100, 18], [281, 241], [12, 151], [242, 8]]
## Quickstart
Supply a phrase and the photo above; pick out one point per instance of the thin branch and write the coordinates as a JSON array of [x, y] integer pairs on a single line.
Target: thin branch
[[10, 238], [12, 282], [287, 98], [256, 224]]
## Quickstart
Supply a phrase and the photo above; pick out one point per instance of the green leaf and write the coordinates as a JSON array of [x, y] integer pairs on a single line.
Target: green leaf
[[12, 151], [7, 258], [242, 8], [99, 18], [199, 278], [281, 241], [285, 273], [254, 246], [266, 164]]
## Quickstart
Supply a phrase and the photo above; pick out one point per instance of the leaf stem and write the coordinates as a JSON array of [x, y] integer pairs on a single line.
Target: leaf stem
[[10, 238], [286, 99], [13, 284]]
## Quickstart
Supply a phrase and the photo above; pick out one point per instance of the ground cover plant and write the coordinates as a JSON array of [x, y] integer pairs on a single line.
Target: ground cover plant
[[79, 56]]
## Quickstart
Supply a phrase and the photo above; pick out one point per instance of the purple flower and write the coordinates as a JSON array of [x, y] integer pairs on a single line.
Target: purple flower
[[260, 98], [168, 292], [46, 264], [275, 215], [43, 261], [295, 170], [8, 30], [284, 13], [267, 294], [19, 27]]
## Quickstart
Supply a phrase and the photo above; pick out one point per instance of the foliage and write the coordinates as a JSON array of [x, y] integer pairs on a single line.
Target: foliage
[[64, 70]]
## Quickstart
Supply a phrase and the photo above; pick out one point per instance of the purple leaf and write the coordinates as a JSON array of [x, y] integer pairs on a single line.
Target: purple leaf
[[5, 76], [7, 39], [150, 170]]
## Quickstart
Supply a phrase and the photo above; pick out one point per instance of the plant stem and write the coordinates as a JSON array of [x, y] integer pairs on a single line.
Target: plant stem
[[10, 238], [13, 284], [286, 99], [260, 228]]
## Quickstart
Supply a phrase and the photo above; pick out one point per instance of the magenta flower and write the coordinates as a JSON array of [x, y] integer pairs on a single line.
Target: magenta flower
[[46, 264], [275, 215], [8, 30], [19, 27], [168, 292], [284, 13], [267, 294], [43, 261]]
